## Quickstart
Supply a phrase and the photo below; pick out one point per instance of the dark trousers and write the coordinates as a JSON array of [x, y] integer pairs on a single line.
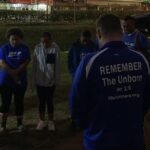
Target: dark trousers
[[45, 95], [7, 92]]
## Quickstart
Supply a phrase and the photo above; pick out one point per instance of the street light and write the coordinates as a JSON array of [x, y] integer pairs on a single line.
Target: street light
[[74, 11]]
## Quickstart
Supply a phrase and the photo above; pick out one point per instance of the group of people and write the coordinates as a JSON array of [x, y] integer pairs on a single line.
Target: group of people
[[110, 90], [14, 59]]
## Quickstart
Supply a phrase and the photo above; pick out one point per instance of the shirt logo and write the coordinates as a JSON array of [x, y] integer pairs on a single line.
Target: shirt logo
[[14, 54]]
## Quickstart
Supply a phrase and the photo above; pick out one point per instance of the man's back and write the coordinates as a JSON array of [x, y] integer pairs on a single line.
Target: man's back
[[110, 94], [113, 107]]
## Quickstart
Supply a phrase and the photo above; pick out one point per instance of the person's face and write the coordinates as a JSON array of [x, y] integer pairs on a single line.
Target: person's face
[[15, 40], [129, 26], [46, 41], [84, 40]]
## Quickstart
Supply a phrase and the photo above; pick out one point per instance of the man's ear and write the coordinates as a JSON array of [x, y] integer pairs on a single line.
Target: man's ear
[[98, 33]]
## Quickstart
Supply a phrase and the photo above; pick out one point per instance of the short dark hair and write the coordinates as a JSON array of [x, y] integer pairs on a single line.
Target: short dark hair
[[86, 33], [109, 23], [126, 18], [14, 31], [47, 34]]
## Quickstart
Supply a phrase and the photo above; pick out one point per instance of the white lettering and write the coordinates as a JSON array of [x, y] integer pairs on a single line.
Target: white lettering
[[118, 68]]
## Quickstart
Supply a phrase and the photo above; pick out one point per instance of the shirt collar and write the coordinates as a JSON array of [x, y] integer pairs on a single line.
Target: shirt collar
[[114, 45]]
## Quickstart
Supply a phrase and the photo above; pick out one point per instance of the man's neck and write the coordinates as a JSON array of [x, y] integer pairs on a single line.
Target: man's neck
[[110, 39]]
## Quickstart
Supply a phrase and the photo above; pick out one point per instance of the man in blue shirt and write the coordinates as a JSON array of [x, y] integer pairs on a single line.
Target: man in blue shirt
[[133, 38], [14, 58], [79, 49], [110, 93]]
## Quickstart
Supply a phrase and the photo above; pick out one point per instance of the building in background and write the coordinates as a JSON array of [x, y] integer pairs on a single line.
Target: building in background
[[114, 2], [69, 4], [65, 4], [41, 5], [120, 4]]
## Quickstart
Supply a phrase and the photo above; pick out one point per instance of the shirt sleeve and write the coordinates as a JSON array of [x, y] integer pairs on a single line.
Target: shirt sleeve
[[2, 54], [144, 42]]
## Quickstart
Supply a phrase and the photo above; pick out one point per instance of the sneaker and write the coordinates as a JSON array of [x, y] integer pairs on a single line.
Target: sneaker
[[41, 125], [51, 126], [2, 129], [20, 128]]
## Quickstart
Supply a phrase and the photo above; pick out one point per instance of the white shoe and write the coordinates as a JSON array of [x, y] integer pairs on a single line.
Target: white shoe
[[2, 129], [20, 128], [51, 126], [41, 125]]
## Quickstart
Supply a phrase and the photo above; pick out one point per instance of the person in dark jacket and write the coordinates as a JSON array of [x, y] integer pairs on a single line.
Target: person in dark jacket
[[79, 49], [110, 94]]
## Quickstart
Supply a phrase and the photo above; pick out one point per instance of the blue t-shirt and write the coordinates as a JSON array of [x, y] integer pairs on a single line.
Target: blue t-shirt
[[14, 57], [77, 52], [130, 41], [109, 97]]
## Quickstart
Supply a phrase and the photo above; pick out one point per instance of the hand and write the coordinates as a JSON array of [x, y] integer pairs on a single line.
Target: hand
[[14, 75]]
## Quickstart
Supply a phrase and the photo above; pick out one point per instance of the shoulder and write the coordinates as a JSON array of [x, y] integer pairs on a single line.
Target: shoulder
[[139, 56], [5, 46], [125, 35], [91, 57], [24, 47], [38, 48]]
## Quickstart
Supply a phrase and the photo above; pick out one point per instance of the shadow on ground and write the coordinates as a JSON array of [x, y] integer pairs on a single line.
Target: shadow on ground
[[62, 139], [31, 139]]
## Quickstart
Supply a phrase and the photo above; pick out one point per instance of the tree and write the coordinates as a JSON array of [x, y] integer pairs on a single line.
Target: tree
[[147, 1]]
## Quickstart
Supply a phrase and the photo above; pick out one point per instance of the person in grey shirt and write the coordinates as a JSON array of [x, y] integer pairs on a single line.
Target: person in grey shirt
[[45, 77]]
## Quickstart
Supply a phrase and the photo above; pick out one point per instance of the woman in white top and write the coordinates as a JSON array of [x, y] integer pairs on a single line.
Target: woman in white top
[[46, 76]]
